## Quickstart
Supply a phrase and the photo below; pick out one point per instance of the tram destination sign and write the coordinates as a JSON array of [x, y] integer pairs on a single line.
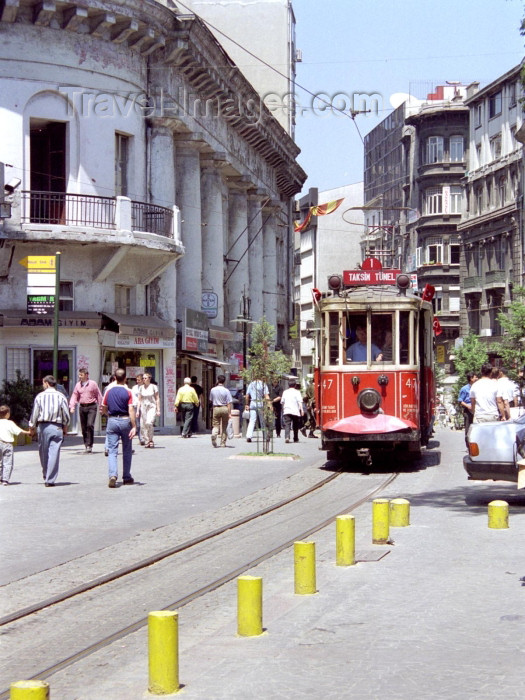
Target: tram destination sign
[[364, 277]]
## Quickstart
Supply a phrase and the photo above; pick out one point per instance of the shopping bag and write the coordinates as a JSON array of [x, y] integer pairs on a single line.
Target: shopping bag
[[229, 430]]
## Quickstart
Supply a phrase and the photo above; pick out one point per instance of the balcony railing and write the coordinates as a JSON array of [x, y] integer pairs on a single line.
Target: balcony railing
[[68, 209], [473, 282], [152, 218], [62, 208]]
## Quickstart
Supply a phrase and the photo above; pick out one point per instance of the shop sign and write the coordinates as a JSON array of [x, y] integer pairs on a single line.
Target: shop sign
[[143, 341], [195, 331], [47, 322], [210, 304]]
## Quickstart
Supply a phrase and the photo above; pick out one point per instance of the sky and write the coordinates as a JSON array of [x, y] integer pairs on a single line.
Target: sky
[[357, 53]]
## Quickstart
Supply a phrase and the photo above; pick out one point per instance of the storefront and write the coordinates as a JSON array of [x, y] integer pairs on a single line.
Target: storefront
[[141, 344]]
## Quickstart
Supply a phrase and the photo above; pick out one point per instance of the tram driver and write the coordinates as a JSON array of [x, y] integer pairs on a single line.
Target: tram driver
[[357, 351]]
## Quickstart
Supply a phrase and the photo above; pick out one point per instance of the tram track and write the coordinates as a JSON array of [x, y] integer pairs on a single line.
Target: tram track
[[185, 557]]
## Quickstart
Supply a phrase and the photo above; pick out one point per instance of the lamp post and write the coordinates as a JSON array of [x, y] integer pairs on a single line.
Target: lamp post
[[242, 321]]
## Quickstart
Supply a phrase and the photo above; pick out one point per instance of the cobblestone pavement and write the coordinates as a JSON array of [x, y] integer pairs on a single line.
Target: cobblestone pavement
[[439, 616]]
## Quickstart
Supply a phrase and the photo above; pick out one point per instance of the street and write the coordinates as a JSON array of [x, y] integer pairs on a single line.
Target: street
[[439, 616]]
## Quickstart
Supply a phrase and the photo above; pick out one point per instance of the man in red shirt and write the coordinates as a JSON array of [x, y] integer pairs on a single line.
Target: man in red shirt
[[87, 394]]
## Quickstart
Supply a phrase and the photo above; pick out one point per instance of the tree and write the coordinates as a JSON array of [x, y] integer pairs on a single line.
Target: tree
[[19, 396], [265, 363], [469, 357], [511, 349]]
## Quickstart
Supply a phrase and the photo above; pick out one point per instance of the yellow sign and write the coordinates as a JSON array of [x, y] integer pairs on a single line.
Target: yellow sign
[[440, 353], [39, 262]]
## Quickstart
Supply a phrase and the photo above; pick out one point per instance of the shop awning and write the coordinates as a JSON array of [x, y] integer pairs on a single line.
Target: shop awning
[[137, 325], [205, 358]]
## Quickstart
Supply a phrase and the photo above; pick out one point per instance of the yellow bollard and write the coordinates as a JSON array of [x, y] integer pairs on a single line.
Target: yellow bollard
[[163, 652], [304, 568], [249, 606], [498, 515], [345, 540], [380, 520], [399, 512], [29, 690]]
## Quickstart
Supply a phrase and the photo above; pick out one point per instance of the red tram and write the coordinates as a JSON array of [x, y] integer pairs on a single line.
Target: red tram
[[374, 377]]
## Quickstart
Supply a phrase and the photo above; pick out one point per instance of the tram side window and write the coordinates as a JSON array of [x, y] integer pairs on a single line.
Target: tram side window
[[382, 338], [404, 337], [333, 338]]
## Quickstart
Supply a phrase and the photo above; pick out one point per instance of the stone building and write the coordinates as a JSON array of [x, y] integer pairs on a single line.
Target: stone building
[[491, 227], [134, 146]]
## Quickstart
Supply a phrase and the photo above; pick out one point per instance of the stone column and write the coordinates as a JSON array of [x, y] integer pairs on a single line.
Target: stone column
[[213, 234], [162, 166], [189, 268], [237, 280], [270, 289], [255, 254]]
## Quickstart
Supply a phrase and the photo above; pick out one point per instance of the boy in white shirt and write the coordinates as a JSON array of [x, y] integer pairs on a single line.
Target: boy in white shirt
[[8, 432]]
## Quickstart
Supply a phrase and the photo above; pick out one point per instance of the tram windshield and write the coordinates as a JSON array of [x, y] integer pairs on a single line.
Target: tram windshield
[[370, 338]]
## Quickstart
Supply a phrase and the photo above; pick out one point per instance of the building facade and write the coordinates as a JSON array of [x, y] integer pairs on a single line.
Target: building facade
[[491, 226], [135, 147], [329, 245]]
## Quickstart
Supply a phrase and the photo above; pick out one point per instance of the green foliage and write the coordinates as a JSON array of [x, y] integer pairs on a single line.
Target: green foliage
[[469, 357], [510, 348], [19, 396], [266, 364]]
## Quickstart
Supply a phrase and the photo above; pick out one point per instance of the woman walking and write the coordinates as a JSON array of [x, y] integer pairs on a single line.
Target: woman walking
[[149, 404]]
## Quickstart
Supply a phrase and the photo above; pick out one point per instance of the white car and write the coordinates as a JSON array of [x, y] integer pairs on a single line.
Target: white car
[[493, 449]]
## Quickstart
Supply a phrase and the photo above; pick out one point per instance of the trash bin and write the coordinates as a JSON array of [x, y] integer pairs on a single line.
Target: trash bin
[[236, 421]]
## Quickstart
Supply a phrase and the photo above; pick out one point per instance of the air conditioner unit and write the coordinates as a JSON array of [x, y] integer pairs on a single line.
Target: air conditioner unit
[[485, 332], [298, 55]]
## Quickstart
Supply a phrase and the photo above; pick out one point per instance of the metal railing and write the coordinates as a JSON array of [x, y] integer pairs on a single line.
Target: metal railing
[[63, 208], [68, 209], [152, 218]]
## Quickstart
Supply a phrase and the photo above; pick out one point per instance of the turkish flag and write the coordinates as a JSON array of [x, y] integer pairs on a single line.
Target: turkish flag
[[437, 327], [428, 292]]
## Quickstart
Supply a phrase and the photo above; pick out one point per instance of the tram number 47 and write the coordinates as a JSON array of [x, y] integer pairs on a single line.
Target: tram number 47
[[327, 384], [411, 383]]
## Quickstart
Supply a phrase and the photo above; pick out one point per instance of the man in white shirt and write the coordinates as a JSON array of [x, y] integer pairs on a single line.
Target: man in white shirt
[[292, 403], [483, 397], [505, 392], [256, 394]]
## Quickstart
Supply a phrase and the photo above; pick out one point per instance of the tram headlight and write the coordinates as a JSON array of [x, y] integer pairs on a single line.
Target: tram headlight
[[369, 400]]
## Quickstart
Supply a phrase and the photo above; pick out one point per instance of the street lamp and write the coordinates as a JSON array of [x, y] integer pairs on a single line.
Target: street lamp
[[242, 321]]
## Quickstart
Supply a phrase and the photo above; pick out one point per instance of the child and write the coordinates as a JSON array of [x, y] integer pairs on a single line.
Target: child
[[8, 432]]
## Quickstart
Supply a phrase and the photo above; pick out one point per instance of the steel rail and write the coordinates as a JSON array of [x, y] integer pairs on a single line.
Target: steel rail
[[135, 626]]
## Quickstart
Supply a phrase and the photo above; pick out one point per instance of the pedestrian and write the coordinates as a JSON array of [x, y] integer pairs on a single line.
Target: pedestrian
[[464, 401], [505, 393], [276, 392], [309, 405], [8, 432], [87, 394], [149, 407], [292, 403], [256, 394], [49, 419], [139, 379], [118, 406], [185, 403], [483, 397], [222, 403], [199, 391]]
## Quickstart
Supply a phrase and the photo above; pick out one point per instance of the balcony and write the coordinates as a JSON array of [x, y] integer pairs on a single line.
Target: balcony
[[107, 213], [473, 284], [495, 278]]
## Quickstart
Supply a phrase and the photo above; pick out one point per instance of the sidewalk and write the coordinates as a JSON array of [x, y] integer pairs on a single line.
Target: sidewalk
[[440, 616]]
